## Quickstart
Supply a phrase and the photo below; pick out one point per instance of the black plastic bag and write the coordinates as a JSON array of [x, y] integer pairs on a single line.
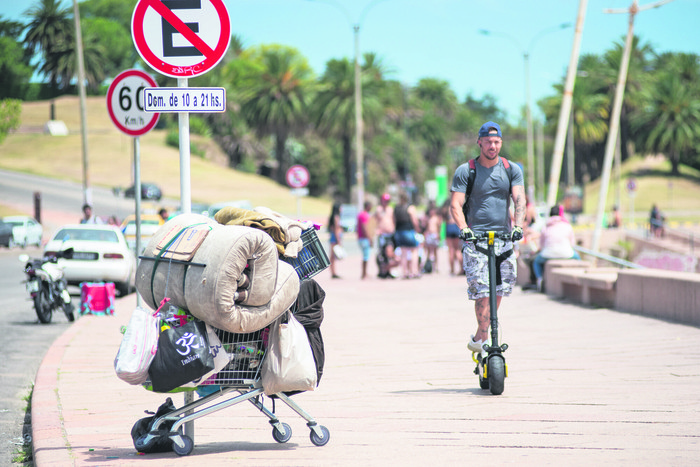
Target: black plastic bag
[[183, 355], [160, 442]]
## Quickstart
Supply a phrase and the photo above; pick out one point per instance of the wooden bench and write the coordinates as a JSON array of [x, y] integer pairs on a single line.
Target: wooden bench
[[593, 286]]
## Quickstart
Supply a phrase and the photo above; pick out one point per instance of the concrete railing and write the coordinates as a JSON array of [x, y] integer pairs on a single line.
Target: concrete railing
[[669, 295]]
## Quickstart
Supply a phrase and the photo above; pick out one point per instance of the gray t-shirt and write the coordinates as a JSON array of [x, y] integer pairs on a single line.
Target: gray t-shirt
[[488, 205]]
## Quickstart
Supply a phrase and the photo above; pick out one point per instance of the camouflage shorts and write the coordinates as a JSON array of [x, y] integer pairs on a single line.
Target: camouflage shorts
[[476, 267]]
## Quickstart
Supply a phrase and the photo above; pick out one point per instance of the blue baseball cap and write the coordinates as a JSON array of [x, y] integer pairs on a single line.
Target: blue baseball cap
[[488, 128]]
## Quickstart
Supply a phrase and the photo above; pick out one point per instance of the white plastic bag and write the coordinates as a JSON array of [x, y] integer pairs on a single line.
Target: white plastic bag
[[289, 364], [138, 347]]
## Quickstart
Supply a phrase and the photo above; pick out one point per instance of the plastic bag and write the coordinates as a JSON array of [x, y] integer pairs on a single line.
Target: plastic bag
[[183, 355], [289, 364], [138, 347], [339, 252], [221, 359], [160, 442]]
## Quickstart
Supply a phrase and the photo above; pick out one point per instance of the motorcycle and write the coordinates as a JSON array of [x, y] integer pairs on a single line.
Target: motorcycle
[[47, 287]]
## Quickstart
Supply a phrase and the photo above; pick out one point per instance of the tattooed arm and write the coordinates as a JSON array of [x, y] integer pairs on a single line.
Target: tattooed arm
[[519, 204]]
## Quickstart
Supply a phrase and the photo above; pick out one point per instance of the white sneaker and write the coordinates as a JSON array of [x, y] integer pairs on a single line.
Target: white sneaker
[[475, 346]]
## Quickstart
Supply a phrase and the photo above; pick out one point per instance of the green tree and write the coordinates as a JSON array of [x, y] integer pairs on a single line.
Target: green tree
[[274, 91], [49, 30], [10, 111], [670, 118], [434, 105], [15, 69], [61, 63], [113, 47], [119, 11], [333, 109]]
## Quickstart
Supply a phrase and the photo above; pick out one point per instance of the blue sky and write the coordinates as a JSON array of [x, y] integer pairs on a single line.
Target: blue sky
[[440, 38]]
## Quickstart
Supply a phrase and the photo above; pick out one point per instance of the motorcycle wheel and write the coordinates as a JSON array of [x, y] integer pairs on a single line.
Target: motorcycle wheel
[[69, 310], [42, 304]]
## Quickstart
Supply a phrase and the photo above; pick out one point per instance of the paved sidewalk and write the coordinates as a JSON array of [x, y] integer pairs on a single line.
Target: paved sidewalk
[[585, 386]]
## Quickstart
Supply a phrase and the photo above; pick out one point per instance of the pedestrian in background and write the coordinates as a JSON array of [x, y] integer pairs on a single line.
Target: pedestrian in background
[[454, 243], [384, 220], [556, 242], [336, 232], [406, 221], [365, 233], [163, 213], [431, 232], [89, 217]]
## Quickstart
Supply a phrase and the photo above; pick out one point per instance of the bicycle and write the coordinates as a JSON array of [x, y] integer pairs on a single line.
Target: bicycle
[[491, 368]]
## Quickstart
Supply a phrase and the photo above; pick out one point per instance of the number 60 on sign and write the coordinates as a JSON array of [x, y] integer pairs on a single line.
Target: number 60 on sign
[[125, 103]]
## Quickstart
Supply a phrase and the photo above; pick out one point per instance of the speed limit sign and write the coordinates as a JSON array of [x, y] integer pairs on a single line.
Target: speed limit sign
[[125, 102]]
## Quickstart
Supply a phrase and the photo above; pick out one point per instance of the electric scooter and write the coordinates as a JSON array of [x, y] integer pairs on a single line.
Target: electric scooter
[[491, 367]]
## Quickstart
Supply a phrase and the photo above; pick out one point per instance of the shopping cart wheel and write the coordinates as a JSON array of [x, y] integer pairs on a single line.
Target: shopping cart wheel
[[186, 449], [323, 439], [282, 437]]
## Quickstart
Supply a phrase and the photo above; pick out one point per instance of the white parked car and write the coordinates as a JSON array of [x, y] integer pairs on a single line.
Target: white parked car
[[25, 230], [100, 254]]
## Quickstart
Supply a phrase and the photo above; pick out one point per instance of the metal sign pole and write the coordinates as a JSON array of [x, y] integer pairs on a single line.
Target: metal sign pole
[[183, 119], [184, 127], [137, 201]]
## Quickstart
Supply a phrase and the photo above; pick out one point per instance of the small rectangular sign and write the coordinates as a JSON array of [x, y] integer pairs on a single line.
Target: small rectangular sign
[[184, 100]]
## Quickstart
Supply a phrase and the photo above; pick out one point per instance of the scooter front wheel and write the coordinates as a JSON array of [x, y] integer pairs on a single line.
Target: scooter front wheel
[[496, 374]]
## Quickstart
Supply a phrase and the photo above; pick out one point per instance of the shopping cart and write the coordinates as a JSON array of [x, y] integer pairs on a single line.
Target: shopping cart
[[240, 380]]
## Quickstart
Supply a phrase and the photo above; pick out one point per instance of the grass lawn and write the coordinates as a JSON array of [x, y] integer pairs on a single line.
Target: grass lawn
[[110, 160]]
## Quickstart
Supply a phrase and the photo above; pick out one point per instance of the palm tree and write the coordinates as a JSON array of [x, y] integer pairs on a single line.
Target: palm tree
[[435, 104], [333, 109], [275, 89], [50, 27], [670, 119], [61, 61]]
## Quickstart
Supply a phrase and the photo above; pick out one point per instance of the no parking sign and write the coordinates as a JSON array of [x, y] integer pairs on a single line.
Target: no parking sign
[[181, 38]]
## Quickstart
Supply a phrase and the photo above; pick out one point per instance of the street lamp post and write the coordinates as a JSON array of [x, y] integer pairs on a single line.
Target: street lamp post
[[528, 115], [615, 115], [359, 122]]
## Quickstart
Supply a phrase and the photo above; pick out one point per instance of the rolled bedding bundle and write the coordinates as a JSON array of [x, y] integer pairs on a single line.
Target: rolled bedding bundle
[[244, 318], [200, 265]]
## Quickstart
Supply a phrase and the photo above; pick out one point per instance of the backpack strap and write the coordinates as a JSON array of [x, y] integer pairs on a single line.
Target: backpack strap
[[472, 177]]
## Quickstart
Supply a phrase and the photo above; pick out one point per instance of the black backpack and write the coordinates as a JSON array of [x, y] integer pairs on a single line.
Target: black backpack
[[472, 177]]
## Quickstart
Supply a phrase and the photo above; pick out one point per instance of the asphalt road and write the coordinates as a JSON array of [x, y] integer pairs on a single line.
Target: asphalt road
[[25, 344], [25, 339], [17, 190]]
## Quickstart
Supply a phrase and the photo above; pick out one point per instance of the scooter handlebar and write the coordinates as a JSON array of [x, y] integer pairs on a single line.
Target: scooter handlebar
[[486, 235]]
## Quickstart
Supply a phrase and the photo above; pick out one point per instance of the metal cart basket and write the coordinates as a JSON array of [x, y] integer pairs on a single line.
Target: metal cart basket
[[240, 380]]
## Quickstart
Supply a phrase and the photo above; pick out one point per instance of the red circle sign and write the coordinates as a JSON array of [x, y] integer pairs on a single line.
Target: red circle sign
[[181, 39], [125, 102], [297, 176]]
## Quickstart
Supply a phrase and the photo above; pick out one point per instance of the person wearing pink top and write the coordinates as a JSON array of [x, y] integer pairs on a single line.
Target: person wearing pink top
[[364, 236], [556, 242]]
